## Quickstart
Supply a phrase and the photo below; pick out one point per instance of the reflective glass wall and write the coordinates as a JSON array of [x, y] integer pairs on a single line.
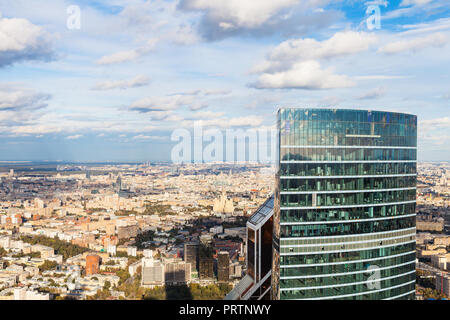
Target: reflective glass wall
[[344, 215]]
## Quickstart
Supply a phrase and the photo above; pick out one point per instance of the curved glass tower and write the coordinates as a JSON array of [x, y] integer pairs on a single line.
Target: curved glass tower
[[344, 207]]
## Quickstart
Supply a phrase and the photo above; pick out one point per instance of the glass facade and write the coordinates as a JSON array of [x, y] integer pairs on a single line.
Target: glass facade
[[344, 205]]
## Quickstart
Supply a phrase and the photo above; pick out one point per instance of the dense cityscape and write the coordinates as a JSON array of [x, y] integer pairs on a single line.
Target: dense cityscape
[[124, 231], [159, 231], [213, 156], [433, 230]]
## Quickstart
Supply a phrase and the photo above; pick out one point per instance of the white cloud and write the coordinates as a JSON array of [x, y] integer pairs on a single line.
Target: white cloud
[[435, 123], [138, 81], [220, 19], [216, 92], [172, 102], [60, 124], [373, 94], [185, 35], [206, 115], [74, 137], [303, 75], [130, 55], [415, 44], [20, 40], [21, 99], [252, 121], [209, 92], [380, 77], [145, 137], [239, 13], [421, 28], [418, 8], [137, 15], [244, 121], [329, 102], [195, 106], [383, 3], [119, 57], [340, 44], [161, 103], [20, 106], [191, 99], [260, 100], [293, 63], [405, 3]]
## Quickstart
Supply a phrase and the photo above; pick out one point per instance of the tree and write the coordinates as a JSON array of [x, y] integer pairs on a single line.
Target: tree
[[48, 265], [156, 293], [64, 248], [123, 274], [101, 295], [143, 237], [3, 252]]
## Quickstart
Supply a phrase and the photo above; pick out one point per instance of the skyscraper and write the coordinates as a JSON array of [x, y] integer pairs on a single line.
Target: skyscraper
[[206, 262], [344, 205], [256, 284], [191, 254], [223, 266]]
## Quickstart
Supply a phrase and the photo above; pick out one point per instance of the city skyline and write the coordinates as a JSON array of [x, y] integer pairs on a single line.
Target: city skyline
[[115, 83], [224, 150]]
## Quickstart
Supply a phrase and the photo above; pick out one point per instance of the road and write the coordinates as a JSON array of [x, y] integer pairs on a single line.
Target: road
[[426, 267]]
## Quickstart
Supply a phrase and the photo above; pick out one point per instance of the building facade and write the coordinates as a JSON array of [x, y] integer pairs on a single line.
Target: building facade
[[176, 272], [92, 264], [223, 266], [191, 254], [256, 284], [206, 262], [443, 284], [153, 273], [344, 205]]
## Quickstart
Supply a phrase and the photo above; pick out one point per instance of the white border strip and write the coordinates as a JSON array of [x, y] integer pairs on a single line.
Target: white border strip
[[347, 235], [351, 177], [401, 295], [345, 191], [346, 147], [349, 161], [360, 293], [359, 245], [345, 221], [343, 243], [349, 206], [345, 273], [349, 250], [348, 284], [345, 262]]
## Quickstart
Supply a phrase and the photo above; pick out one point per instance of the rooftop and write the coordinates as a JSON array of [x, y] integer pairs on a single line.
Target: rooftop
[[263, 211]]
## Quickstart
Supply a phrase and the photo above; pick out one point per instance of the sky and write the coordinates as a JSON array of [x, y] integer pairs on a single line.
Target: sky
[[111, 80]]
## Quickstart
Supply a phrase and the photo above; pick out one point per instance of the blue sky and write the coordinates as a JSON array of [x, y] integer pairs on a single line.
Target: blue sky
[[136, 70]]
